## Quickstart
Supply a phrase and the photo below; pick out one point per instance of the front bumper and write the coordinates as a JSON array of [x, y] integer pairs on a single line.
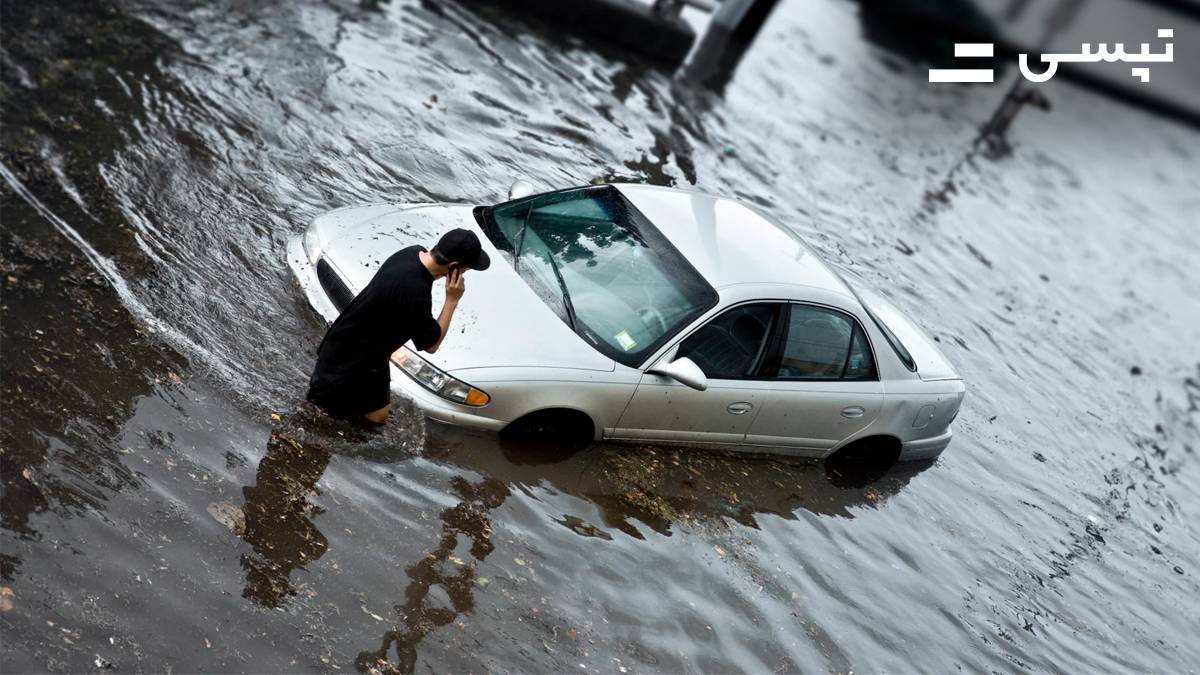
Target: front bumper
[[925, 448], [439, 409]]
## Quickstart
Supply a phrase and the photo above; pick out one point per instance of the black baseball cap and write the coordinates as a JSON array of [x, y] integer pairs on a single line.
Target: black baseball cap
[[463, 247]]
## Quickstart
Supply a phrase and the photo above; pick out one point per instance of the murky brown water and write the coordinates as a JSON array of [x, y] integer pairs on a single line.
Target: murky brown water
[[168, 506]]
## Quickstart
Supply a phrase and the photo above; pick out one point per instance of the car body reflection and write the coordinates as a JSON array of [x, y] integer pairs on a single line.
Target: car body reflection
[[657, 486]]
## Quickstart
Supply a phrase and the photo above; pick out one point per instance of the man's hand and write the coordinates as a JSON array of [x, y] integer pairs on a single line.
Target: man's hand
[[454, 292], [454, 285]]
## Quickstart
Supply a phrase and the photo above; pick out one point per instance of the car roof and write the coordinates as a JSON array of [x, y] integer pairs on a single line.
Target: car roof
[[730, 243]]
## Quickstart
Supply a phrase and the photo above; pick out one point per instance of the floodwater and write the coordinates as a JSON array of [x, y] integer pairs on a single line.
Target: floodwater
[[169, 506]]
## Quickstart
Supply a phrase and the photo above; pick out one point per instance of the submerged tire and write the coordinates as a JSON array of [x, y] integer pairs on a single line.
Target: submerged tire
[[547, 435], [862, 462]]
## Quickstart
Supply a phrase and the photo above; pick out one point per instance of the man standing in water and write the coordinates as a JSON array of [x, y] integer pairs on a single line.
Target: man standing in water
[[351, 379]]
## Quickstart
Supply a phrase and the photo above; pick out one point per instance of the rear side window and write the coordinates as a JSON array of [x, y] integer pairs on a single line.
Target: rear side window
[[861, 365], [732, 345], [892, 340], [823, 344]]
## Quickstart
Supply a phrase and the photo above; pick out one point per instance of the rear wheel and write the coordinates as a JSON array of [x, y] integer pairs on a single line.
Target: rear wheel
[[862, 462]]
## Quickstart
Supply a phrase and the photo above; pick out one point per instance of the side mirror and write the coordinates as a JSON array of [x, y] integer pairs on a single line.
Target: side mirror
[[684, 371], [520, 188]]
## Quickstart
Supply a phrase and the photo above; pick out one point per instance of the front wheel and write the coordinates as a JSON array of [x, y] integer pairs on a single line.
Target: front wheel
[[547, 435]]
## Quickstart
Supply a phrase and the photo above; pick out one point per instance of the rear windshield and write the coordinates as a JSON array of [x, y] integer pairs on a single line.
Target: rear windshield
[[892, 340]]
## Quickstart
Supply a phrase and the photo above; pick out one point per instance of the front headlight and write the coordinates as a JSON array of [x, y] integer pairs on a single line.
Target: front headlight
[[437, 381]]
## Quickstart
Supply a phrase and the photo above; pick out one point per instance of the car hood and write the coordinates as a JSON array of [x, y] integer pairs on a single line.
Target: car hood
[[500, 320]]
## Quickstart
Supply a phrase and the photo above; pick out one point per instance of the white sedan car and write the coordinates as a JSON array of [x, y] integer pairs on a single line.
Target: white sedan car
[[649, 314]]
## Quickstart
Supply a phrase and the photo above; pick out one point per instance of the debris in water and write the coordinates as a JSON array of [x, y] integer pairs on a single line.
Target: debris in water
[[229, 515]]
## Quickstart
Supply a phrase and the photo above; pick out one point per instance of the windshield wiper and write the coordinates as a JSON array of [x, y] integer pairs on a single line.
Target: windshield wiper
[[521, 240], [562, 285]]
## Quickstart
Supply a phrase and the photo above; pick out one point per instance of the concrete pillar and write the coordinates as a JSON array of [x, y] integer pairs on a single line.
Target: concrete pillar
[[730, 32]]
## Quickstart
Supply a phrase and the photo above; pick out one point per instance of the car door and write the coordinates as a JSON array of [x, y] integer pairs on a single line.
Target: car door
[[730, 349], [823, 386]]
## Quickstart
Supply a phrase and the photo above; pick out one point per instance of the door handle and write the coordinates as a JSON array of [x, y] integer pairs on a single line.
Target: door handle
[[739, 408], [853, 411]]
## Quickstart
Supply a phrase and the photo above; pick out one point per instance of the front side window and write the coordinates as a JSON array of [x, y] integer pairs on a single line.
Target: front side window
[[602, 267], [733, 345], [823, 344]]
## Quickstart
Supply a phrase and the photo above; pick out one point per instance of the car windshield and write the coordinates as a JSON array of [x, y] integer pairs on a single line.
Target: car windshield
[[602, 267]]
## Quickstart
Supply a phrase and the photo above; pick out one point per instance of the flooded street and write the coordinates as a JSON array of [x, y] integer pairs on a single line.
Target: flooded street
[[169, 505]]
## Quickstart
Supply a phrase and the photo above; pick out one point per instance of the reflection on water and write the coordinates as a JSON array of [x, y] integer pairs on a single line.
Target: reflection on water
[[419, 615], [659, 486], [279, 523], [656, 488], [279, 518], [156, 515]]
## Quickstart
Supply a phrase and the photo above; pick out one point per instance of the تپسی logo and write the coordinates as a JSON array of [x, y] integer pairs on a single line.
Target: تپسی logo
[[1086, 55]]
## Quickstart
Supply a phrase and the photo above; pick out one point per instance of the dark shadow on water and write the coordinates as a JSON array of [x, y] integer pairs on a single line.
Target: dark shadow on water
[[57, 58]]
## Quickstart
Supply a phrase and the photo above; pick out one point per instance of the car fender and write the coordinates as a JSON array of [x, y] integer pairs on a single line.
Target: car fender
[[516, 392]]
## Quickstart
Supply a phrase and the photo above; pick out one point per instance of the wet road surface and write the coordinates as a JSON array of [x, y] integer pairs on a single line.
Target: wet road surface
[[168, 505]]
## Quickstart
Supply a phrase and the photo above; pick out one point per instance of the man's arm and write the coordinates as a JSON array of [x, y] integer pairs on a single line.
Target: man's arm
[[454, 292]]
